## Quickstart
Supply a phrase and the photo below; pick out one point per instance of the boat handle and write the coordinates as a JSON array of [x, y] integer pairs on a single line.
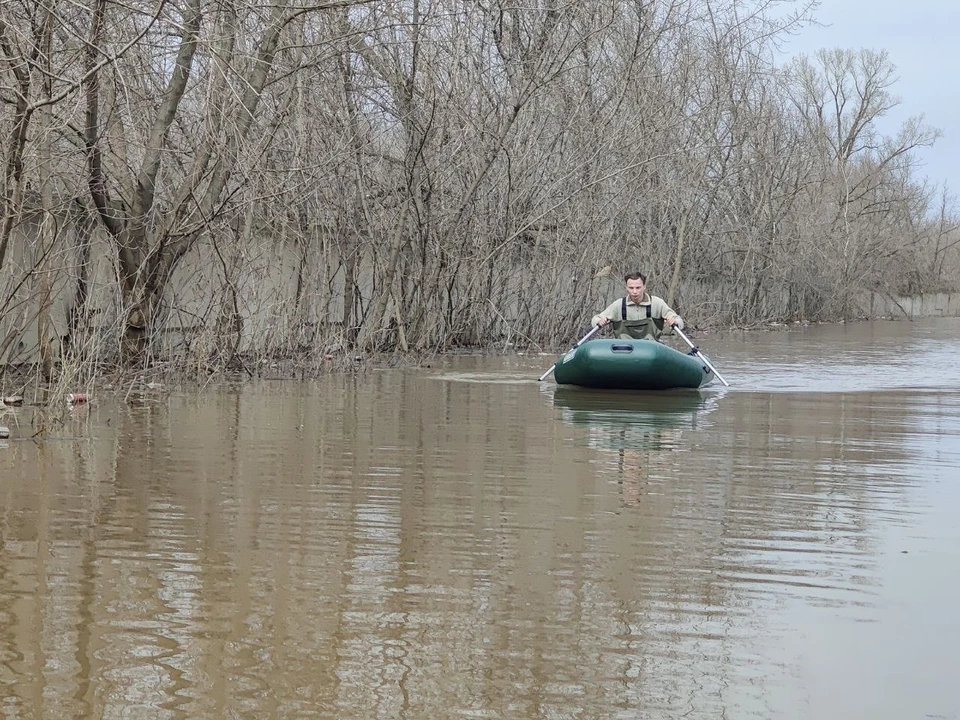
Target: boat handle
[[622, 348]]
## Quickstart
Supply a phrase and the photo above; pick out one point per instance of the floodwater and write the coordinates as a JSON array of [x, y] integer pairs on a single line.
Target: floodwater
[[462, 541]]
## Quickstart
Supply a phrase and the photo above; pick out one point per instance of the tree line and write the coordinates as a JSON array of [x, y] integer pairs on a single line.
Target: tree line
[[219, 183]]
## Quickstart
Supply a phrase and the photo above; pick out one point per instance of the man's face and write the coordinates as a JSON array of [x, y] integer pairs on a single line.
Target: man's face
[[635, 290]]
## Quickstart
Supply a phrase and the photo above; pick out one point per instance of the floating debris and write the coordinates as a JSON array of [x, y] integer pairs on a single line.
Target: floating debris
[[77, 398], [12, 401], [4, 432]]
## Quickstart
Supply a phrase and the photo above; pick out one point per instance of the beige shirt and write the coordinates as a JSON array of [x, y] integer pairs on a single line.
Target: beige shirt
[[658, 309]]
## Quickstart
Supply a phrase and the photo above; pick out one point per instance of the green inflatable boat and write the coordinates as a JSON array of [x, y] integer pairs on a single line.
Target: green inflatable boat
[[631, 365]]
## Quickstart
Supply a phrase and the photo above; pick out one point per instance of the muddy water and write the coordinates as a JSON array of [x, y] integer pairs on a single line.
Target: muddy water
[[462, 541]]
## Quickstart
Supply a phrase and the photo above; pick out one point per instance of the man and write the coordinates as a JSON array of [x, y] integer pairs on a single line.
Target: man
[[639, 315]]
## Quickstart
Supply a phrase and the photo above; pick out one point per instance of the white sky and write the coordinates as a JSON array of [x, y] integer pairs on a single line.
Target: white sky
[[920, 37]]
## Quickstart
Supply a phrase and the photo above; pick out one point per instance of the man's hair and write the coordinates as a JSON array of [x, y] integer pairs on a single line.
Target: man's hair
[[636, 276]]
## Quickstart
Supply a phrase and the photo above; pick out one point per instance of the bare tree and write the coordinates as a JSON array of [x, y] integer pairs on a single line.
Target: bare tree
[[154, 218], [287, 180]]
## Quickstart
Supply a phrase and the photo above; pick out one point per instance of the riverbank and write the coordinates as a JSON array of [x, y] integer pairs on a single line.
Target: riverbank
[[22, 382]]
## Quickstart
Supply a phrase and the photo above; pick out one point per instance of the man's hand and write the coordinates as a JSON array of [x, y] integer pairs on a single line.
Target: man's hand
[[601, 320]]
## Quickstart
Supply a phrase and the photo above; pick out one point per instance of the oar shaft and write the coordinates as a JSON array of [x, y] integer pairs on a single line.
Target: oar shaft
[[703, 357], [581, 342]]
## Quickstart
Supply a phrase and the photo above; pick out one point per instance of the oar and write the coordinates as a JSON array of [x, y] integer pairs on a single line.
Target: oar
[[582, 341], [700, 355]]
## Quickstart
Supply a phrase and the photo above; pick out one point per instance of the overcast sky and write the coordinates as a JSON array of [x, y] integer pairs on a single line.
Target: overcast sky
[[921, 39]]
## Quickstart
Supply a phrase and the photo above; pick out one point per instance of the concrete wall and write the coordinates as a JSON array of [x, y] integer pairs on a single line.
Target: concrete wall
[[930, 305], [262, 274]]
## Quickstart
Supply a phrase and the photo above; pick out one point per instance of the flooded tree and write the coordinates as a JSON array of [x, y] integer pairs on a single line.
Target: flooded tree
[[224, 185]]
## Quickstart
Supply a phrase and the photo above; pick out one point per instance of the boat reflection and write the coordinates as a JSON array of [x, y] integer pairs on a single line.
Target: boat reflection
[[639, 435], [630, 420]]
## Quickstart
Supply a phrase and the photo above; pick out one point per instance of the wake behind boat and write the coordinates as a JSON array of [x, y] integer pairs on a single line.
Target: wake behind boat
[[631, 365]]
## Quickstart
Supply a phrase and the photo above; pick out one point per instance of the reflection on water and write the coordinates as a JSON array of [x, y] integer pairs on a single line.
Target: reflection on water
[[465, 542], [629, 421]]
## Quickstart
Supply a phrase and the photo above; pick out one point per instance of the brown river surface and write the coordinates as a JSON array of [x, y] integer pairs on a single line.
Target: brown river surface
[[463, 541]]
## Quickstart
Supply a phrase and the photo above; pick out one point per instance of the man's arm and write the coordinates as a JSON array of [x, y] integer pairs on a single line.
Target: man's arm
[[669, 315], [609, 314]]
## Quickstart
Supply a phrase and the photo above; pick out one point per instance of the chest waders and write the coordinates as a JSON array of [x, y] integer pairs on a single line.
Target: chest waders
[[648, 327]]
